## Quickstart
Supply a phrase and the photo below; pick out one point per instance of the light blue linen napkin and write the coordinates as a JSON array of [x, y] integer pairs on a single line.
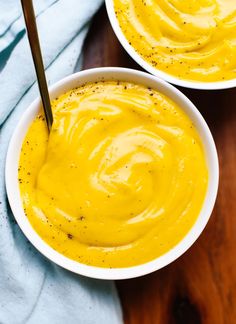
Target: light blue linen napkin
[[32, 289]]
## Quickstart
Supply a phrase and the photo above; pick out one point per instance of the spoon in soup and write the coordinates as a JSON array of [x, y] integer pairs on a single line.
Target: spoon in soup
[[32, 32]]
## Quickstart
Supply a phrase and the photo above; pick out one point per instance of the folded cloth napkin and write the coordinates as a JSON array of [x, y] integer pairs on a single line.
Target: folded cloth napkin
[[32, 289]]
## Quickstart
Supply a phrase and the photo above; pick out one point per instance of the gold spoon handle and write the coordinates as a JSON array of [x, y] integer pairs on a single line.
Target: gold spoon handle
[[31, 27]]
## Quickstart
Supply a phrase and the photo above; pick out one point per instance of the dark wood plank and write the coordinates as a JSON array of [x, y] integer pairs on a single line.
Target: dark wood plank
[[200, 287]]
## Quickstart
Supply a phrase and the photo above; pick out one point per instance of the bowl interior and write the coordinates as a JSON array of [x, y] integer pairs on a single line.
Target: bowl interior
[[145, 65], [11, 172]]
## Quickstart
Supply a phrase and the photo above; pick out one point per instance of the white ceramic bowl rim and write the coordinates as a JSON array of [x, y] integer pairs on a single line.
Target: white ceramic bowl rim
[[165, 76], [12, 160]]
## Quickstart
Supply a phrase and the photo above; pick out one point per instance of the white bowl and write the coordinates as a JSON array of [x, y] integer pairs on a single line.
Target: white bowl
[[144, 64], [121, 74]]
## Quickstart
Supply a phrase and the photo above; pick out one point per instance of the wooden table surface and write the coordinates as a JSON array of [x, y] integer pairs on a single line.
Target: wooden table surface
[[200, 287]]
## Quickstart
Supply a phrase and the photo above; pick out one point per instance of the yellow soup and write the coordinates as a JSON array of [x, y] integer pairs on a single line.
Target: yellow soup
[[121, 178], [190, 39]]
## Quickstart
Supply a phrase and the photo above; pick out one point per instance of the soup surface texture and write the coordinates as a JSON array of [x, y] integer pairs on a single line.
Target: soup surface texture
[[189, 39], [120, 180]]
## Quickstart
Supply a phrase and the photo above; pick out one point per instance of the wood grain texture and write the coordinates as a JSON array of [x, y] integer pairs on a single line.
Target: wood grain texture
[[200, 287]]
